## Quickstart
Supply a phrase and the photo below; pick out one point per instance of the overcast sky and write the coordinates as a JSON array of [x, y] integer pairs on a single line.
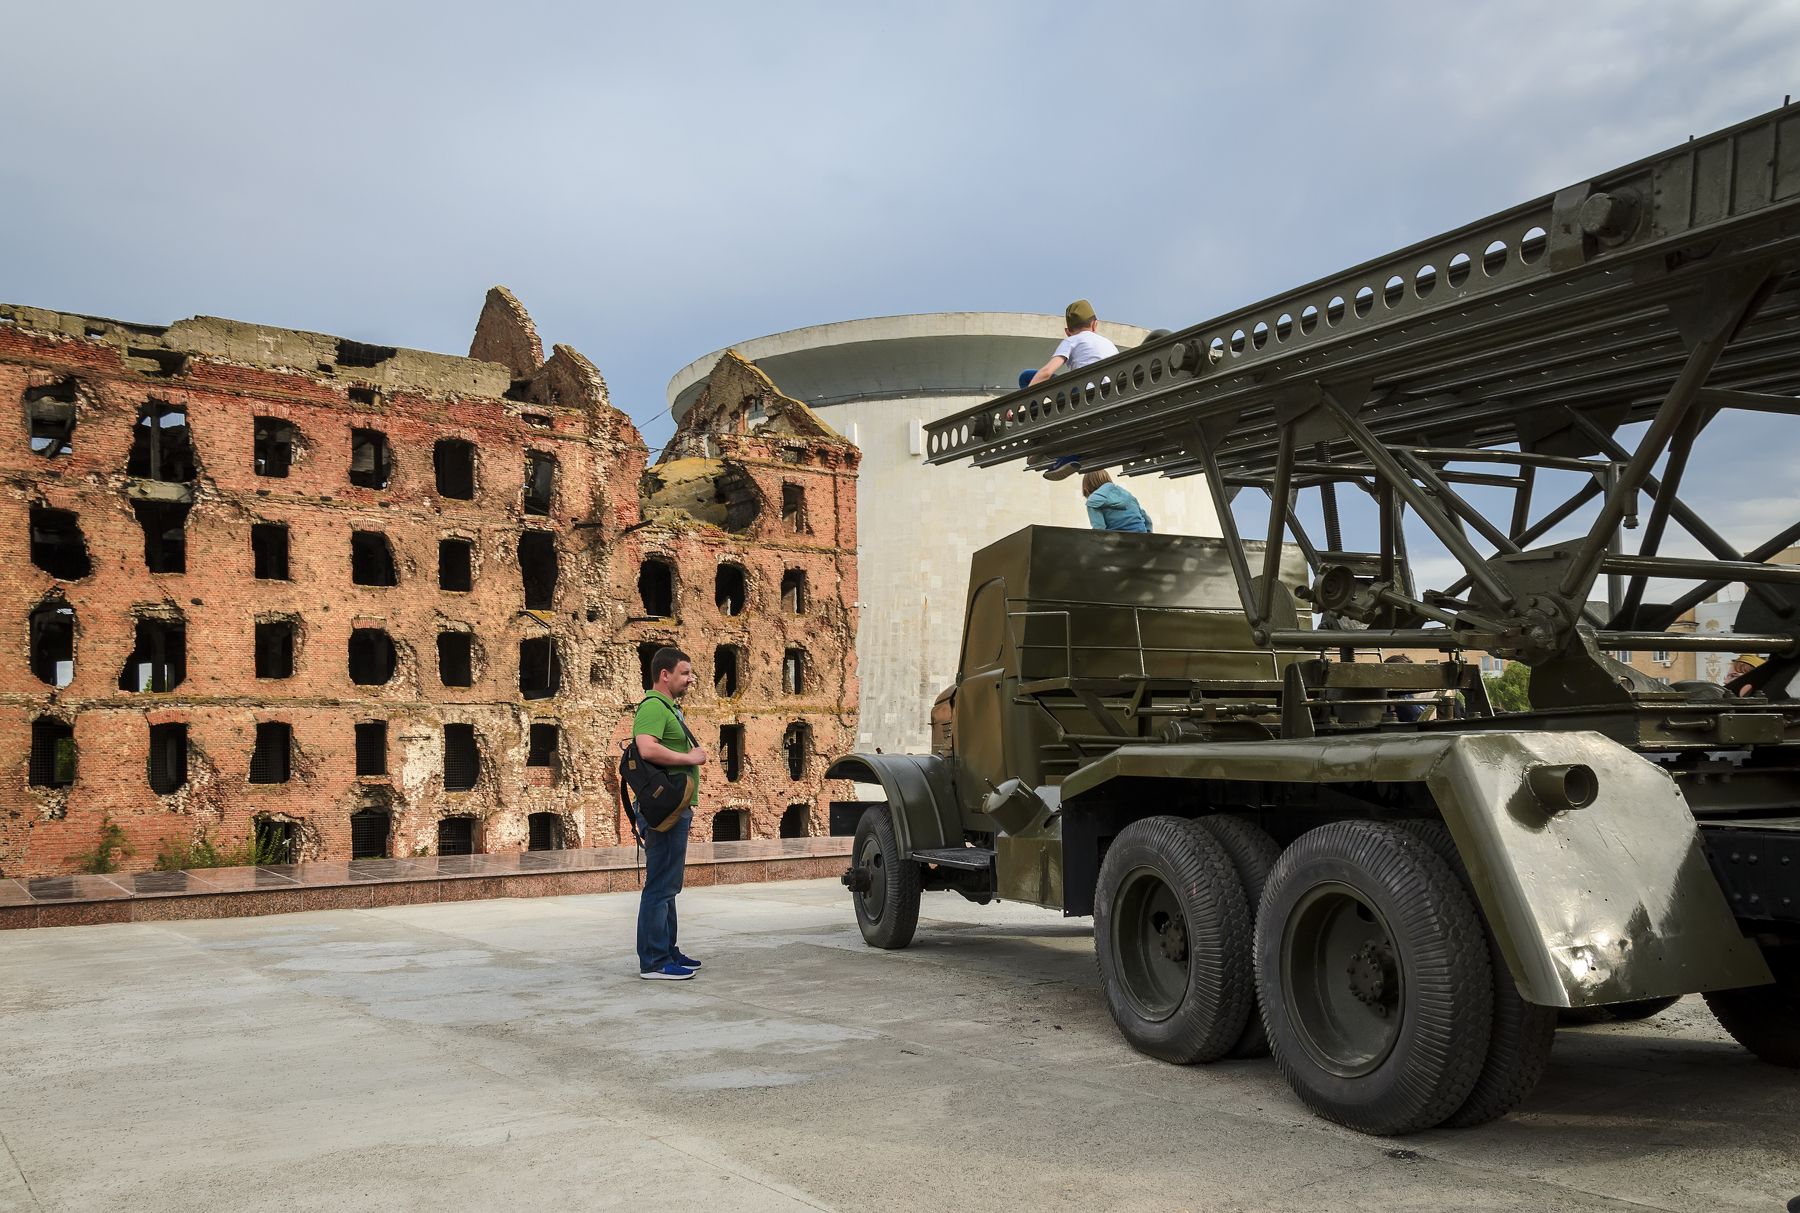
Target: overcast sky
[[659, 181]]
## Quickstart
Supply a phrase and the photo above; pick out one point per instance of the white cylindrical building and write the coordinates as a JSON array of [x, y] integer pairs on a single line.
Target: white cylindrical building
[[877, 382]]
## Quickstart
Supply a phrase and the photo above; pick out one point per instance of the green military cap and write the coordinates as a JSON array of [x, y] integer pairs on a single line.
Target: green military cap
[[1079, 315]]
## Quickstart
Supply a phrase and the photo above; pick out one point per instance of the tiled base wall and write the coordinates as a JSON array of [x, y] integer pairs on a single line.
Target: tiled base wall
[[124, 906]]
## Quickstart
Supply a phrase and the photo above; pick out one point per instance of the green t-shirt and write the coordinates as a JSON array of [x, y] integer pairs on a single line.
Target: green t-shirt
[[659, 717]]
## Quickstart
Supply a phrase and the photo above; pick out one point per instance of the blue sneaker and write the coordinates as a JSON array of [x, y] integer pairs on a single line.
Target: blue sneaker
[[668, 972], [685, 961]]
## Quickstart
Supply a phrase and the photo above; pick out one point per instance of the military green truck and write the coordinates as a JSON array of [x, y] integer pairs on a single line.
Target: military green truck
[[1290, 844]]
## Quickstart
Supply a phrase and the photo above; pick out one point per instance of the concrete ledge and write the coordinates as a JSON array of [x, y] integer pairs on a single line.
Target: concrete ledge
[[62, 901]]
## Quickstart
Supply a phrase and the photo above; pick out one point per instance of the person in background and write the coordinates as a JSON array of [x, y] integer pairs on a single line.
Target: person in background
[[1741, 667], [1407, 709], [663, 738], [1081, 344], [1111, 508]]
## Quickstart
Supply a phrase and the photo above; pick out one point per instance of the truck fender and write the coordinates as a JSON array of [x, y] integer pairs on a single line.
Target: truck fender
[[1607, 900], [921, 795]]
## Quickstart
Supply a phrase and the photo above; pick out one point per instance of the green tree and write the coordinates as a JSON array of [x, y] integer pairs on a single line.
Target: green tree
[[1510, 689]]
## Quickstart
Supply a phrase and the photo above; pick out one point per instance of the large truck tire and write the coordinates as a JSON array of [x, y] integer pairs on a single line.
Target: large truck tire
[[1522, 1032], [1172, 940], [1374, 977], [1766, 1019], [887, 908], [1253, 853]]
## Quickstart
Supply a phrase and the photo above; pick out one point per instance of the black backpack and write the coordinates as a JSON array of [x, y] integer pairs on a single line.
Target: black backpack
[[659, 792]]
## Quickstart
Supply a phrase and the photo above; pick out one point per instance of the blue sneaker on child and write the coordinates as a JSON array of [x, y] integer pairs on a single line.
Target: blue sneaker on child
[[685, 961]]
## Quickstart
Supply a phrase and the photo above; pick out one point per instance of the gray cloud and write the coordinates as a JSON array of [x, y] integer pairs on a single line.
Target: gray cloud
[[656, 182]]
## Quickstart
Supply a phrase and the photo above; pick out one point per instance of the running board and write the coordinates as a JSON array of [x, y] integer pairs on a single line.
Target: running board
[[975, 859]]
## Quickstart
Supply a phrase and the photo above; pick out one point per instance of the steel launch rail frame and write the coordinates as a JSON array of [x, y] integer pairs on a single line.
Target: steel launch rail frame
[[1663, 293]]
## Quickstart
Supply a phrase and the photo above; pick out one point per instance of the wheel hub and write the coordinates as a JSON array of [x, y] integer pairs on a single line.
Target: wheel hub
[[1150, 938], [1374, 978], [1172, 938]]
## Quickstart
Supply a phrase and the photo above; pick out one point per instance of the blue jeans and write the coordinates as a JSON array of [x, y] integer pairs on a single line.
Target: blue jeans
[[665, 863]]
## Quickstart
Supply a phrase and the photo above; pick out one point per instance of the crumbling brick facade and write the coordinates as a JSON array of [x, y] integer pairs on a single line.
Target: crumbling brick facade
[[356, 600]]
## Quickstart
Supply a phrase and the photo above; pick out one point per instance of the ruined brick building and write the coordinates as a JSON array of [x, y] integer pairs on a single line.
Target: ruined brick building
[[351, 600]]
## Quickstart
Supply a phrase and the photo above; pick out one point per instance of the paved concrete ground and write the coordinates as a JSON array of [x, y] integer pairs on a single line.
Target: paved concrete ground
[[503, 1055]]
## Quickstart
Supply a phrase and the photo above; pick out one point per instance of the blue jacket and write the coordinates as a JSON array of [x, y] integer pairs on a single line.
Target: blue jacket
[[1111, 508]]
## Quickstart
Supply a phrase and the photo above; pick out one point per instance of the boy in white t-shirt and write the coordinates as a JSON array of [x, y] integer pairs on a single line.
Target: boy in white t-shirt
[[1081, 345]]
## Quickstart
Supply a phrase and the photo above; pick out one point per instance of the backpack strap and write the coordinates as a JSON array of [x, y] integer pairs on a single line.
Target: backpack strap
[[679, 719]]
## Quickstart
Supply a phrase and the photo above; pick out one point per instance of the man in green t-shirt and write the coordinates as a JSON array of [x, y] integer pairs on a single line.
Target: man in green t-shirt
[[663, 739]]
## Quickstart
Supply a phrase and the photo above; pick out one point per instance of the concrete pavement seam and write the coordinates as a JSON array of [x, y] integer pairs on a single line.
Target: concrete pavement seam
[[23, 1178]]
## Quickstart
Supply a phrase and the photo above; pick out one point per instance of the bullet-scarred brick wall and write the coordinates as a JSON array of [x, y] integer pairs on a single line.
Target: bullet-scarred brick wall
[[223, 375]]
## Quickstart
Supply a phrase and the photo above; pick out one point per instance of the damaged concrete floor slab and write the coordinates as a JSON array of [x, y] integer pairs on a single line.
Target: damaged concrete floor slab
[[503, 1055]]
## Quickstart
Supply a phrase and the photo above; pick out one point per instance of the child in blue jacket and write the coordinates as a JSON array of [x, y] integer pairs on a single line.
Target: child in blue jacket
[[1111, 508]]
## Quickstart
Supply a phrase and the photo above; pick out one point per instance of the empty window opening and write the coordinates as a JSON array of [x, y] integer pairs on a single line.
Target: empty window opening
[[276, 841], [730, 589], [542, 750], [269, 550], [369, 834], [52, 753], [796, 745], [456, 836], [540, 672], [165, 534], [793, 672], [274, 440], [731, 751], [456, 658], [50, 413], [364, 395], [372, 559], [736, 491], [796, 821], [793, 591], [646, 653], [272, 759], [540, 482], [793, 508], [538, 569], [656, 588], [725, 670], [57, 544], [371, 459], [355, 353], [456, 565], [372, 657], [168, 758], [462, 758], [275, 648], [730, 825], [371, 747], [538, 420], [162, 447], [453, 460], [52, 639], [546, 832], [159, 660]]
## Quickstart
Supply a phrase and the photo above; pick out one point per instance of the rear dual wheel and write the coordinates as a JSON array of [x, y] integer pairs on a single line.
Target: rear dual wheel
[[1766, 1019], [1373, 970], [1521, 1033], [1253, 854], [1172, 938]]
